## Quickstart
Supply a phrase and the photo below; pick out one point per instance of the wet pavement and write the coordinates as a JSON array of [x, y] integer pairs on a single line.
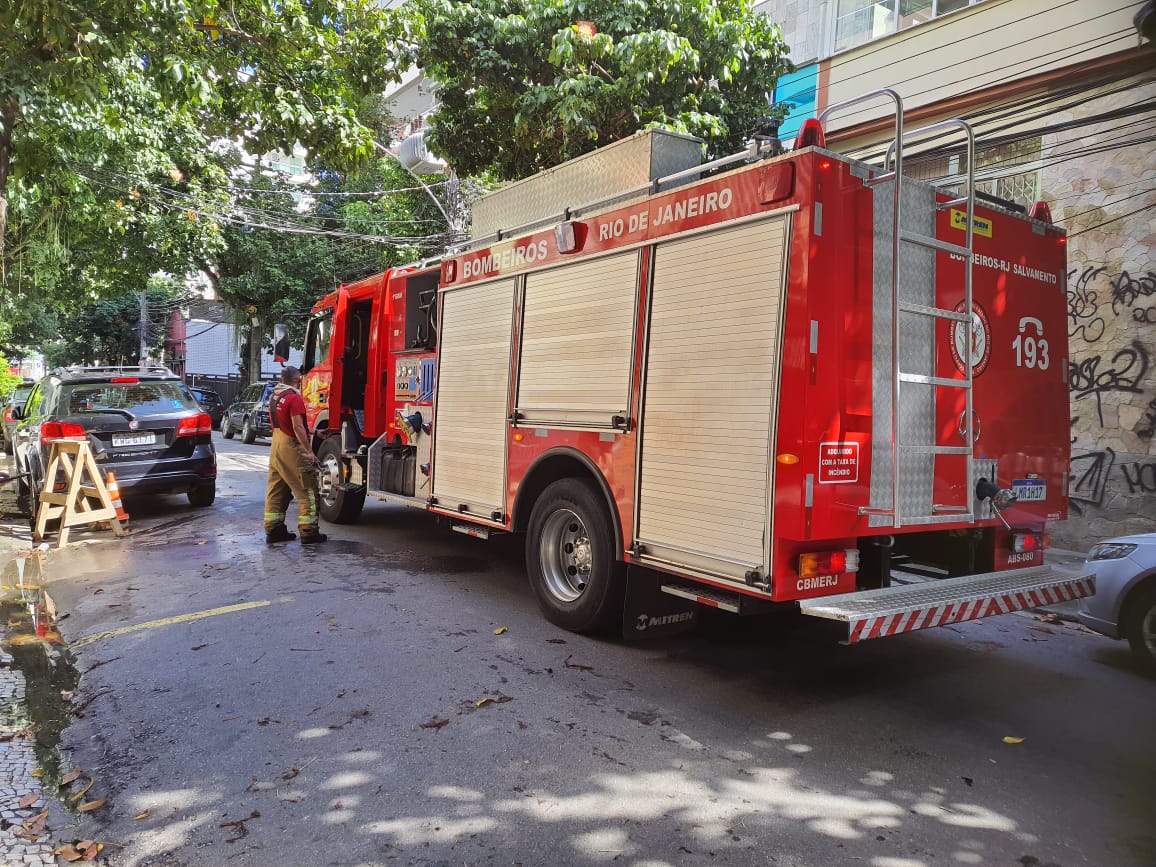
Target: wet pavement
[[394, 697]]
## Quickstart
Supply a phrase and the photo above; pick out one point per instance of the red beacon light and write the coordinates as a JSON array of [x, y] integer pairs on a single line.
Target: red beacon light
[[1040, 211], [810, 135]]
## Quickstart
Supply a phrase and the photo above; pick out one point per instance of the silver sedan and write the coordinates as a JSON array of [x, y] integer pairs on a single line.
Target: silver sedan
[[1124, 605]]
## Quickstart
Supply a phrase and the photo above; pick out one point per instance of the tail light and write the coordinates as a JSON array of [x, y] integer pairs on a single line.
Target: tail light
[[8, 414], [51, 431], [828, 563], [1026, 543], [201, 423]]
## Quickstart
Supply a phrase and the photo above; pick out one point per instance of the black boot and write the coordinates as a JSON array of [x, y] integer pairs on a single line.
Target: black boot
[[279, 534], [313, 538]]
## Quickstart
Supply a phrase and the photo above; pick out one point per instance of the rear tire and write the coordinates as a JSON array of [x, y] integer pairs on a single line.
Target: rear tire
[[202, 496], [1139, 627], [227, 429], [248, 432], [337, 505], [570, 558]]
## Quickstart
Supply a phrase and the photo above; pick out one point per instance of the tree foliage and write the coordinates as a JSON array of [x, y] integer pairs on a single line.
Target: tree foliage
[[525, 85], [269, 276], [156, 80], [108, 331]]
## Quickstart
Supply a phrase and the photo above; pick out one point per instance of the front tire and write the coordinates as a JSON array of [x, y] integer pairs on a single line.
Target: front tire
[[337, 505], [1139, 627], [570, 558], [248, 432], [202, 496], [227, 428]]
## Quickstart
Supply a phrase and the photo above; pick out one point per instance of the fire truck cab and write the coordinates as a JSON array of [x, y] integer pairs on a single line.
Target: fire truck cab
[[768, 379]]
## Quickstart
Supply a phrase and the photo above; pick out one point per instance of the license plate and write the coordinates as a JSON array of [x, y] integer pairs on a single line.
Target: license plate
[[1030, 490], [139, 439]]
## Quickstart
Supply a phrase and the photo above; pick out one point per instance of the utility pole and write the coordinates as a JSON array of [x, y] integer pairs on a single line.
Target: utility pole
[[144, 330]]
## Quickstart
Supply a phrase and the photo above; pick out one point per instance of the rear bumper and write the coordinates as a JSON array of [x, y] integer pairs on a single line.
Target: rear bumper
[[161, 476], [910, 607]]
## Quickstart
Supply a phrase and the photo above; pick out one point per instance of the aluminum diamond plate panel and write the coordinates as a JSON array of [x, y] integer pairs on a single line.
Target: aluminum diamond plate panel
[[915, 352], [893, 610], [602, 174]]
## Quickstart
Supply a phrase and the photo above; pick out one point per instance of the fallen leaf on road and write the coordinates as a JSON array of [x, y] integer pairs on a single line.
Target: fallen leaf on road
[[203, 542], [482, 701], [89, 849], [1010, 740], [435, 722], [1042, 629], [239, 826], [570, 664], [68, 852], [89, 806], [69, 778], [143, 815], [967, 780], [36, 824], [82, 792], [38, 773], [290, 774], [28, 800], [500, 630]]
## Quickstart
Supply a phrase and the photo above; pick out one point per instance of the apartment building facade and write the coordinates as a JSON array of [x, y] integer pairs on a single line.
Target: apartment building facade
[[1062, 97]]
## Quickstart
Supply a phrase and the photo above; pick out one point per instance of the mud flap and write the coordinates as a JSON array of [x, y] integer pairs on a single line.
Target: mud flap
[[649, 613]]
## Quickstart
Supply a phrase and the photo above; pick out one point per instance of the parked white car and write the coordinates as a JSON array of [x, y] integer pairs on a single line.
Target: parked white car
[[1124, 605]]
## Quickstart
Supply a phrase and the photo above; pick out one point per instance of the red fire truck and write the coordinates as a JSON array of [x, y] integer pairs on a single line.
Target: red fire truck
[[775, 378]]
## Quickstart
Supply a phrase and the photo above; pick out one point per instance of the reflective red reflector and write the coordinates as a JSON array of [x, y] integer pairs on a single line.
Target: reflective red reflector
[[776, 183], [125, 379], [202, 423], [51, 431], [825, 164], [1062, 240], [810, 134]]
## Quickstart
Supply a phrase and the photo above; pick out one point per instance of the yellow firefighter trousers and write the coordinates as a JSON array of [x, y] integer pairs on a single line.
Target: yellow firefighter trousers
[[290, 472]]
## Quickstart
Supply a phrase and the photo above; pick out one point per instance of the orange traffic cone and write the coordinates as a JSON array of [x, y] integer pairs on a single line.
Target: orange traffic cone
[[114, 495]]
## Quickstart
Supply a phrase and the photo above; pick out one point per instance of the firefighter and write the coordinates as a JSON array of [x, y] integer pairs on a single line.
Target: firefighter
[[292, 465]]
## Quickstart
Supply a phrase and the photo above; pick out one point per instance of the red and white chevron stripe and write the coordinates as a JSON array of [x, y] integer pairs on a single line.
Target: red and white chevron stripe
[[941, 614]]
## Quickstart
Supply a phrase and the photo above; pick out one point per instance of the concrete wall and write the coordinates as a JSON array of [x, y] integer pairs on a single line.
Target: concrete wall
[[1107, 201]]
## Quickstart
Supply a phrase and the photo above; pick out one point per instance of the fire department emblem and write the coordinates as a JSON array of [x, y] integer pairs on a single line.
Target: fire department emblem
[[979, 353], [133, 425]]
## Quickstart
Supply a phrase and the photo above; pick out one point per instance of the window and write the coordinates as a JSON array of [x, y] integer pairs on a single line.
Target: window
[[1009, 171], [317, 339], [859, 21]]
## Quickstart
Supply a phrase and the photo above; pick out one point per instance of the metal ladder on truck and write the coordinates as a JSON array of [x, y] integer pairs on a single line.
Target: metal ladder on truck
[[910, 607], [909, 302]]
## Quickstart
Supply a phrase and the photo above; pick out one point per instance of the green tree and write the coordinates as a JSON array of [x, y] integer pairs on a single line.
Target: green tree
[[267, 73], [525, 85], [300, 242], [8, 381], [108, 331]]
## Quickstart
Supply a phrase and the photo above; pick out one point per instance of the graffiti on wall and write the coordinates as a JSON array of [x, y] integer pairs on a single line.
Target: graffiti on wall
[[1099, 304], [1083, 308], [1095, 376]]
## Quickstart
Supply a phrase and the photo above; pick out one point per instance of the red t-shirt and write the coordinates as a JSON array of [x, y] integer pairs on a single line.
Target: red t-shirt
[[289, 404]]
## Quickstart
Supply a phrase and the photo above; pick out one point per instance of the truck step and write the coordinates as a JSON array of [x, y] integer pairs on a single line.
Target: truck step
[[471, 530], [716, 597], [907, 608]]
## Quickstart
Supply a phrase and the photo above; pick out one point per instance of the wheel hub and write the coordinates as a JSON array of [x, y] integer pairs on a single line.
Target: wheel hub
[[567, 555]]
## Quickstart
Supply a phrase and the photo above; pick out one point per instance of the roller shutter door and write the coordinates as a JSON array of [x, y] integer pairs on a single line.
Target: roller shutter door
[[473, 383], [577, 336], [710, 399]]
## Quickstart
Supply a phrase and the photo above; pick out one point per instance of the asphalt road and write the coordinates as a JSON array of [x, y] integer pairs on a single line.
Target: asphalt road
[[352, 705]]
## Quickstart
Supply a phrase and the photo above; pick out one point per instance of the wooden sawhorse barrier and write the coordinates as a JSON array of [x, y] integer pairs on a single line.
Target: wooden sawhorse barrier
[[84, 499]]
